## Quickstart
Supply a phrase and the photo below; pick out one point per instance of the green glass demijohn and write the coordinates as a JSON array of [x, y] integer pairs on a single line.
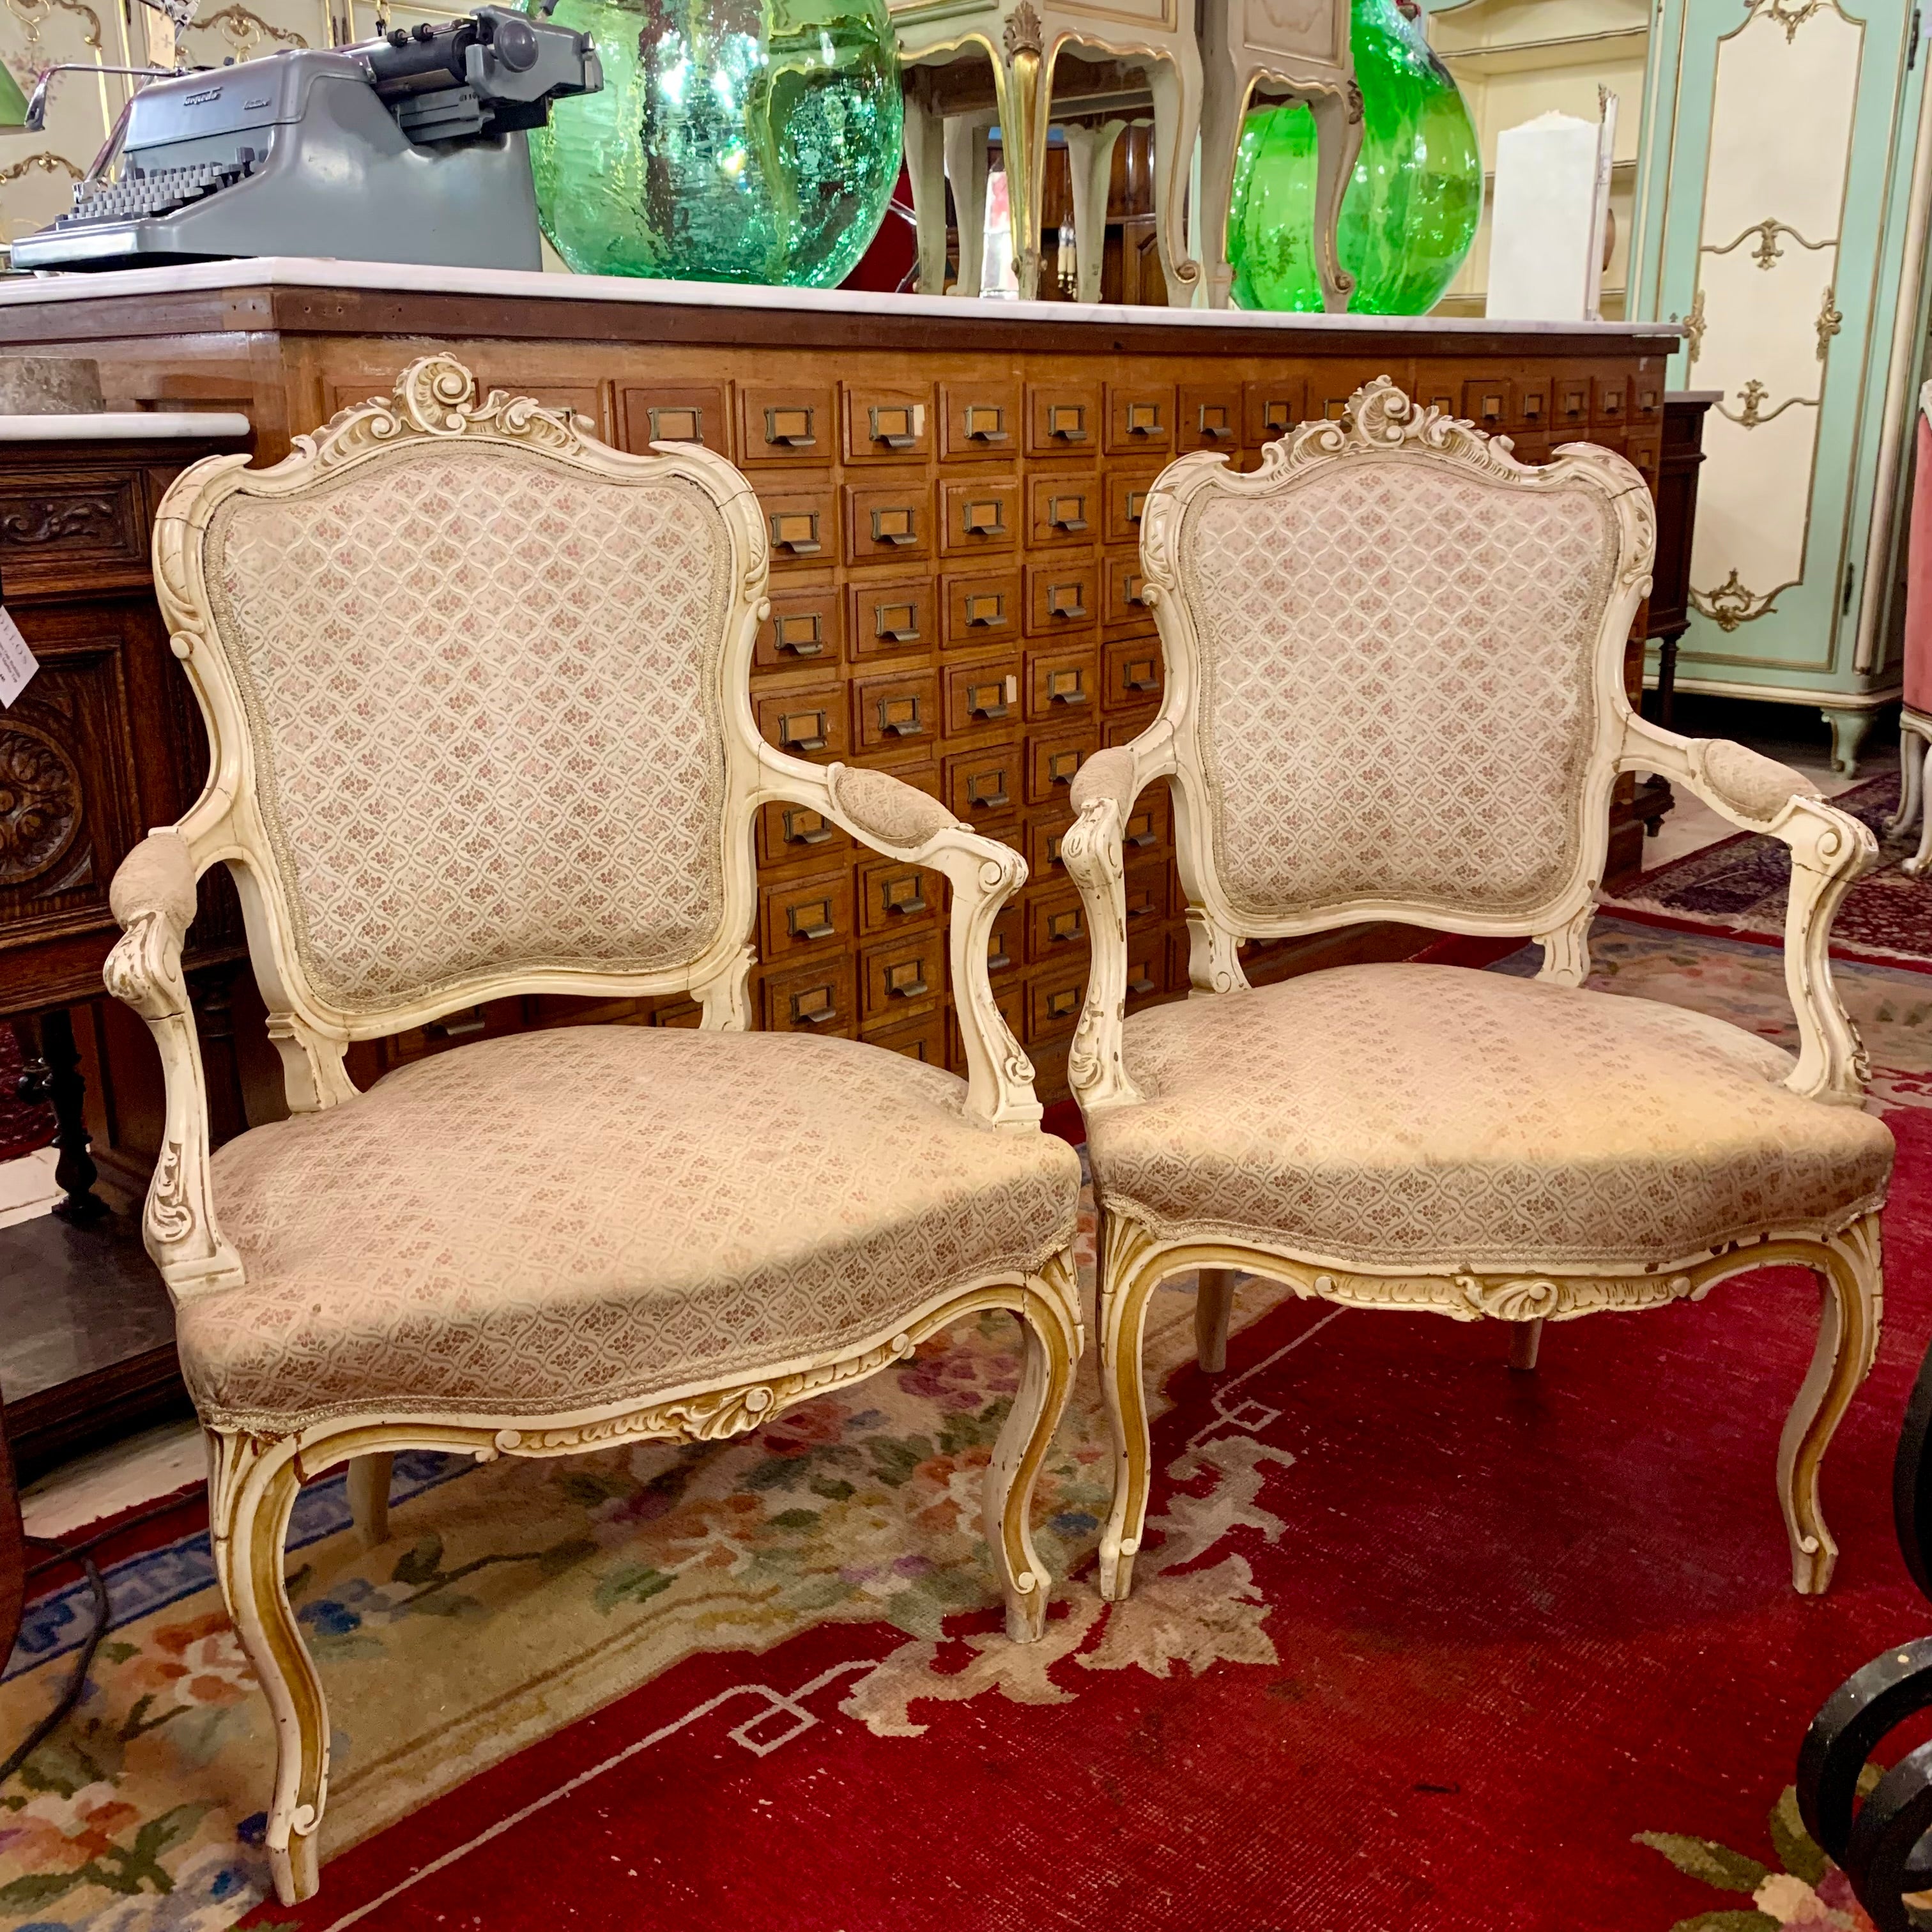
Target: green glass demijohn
[[1409, 214], [732, 141]]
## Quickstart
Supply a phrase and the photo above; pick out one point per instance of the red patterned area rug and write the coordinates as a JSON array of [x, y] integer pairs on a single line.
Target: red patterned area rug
[[1416, 1643], [22, 1127], [1737, 888]]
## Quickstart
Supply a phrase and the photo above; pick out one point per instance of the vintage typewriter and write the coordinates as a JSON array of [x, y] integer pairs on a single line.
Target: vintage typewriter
[[407, 148]]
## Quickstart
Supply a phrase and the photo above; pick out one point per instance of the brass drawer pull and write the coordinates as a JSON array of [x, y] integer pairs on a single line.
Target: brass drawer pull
[[1142, 907], [1060, 517], [904, 982], [1143, 419], [897, 426], [1142, 985], [1066, 422], [898, 621], [985, 422], [454, 1027], [985, 518], [803, 637], [1066, 687], [1053, 857], [804, 729], [814, 1008], [1136, 503], [818, 916], [1062, 926], [1062, 767], [996, 960], [987, 701], [899, 526], [1141, 673], [797, 531], [1278, 416], [987, 608], [988, 801], [1062, 600], [1136, 588], [1059, 1004], [790, 429], [679, 425], [1144, 837], [903, 894], [818, 830], [898, 717], [1213, 422]]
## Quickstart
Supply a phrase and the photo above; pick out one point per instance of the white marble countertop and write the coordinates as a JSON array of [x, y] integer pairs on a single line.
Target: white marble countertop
[[293, 271], [123, 425]]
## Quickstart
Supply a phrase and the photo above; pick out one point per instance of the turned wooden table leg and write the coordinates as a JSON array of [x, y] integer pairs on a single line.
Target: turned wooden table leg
[[1526, 1338], [50, 1071]]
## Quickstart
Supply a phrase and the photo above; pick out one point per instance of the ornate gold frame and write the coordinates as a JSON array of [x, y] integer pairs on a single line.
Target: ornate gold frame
[[254, 1478]]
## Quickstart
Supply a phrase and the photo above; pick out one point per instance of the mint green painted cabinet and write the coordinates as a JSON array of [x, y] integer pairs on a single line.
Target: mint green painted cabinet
[[1782, 188]]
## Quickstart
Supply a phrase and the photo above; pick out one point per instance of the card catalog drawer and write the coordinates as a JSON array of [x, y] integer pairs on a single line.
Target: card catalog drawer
[[1003, 952], [1127, 498], [1488, 403], [886, 523], [980, 696], [803, 913], [1054, 997], [976, 515], [790, 423], [1147, 966], [1146, 829], [1274, 407], [817, 998], [1044, 832], [1133, 673], [676, 412], [1063, 509], [1051, 763], [801, 525], [978, 420], [892, 894], [789, 833], [921, 1038], [1609, 400], [1123, 598], [1533, 401], [986, 784], [887, 425], [901, 973], [805, 628], [1062, 418], [893, 711], [809, 723], [1056, 929], [1140, 416], [1570, 407], [1208, 416], [892, 614], [981, 610], [1147, 894], [1062, 684]]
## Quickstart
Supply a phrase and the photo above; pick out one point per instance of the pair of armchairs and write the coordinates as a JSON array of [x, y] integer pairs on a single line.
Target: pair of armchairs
[[476, 689]]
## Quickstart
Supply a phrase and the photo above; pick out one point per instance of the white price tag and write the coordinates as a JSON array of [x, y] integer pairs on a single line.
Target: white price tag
[[17, 663]]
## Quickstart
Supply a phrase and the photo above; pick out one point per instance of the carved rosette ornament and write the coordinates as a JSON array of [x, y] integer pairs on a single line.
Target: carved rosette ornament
[[39, 803]]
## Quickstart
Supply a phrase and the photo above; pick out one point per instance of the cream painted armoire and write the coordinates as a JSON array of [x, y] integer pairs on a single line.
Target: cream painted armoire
[[1782, 201]]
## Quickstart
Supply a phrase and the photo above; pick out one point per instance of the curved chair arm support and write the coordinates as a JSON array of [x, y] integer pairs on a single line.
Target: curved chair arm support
[[1829, 850], [1104, 791], [902, 822], [153, 898]]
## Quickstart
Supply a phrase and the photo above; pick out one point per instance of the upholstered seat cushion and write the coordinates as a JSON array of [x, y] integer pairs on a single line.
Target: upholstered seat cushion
[[554, 1221], [1431, 1116]]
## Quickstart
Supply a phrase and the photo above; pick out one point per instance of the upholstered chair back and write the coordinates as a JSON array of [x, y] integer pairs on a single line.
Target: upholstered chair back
[[1919, 566], [467, 675], [1394, 657]]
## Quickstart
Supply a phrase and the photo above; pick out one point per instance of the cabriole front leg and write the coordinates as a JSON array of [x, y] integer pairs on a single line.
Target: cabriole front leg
[[1125, 1286], [1850, 1274]]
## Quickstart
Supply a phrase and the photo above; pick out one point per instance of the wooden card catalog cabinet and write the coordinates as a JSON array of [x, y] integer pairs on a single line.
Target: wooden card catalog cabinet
[[953, 511]]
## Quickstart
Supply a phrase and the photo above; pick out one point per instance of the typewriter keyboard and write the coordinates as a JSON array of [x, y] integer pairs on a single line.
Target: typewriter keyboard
[[158, 191]]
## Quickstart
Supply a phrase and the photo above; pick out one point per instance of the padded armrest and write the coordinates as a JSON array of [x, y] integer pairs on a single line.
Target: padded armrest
[[887, 809], [1108, 774], [1751, 784], [157, 877]]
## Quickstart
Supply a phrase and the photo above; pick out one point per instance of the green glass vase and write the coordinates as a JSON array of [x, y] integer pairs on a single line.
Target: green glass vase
[[1409, 213], [732, 141]]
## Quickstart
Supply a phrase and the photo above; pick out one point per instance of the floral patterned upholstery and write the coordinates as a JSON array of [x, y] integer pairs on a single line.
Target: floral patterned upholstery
[[555, 1221], [1397, 664], [481, 689], [1393, 1116]]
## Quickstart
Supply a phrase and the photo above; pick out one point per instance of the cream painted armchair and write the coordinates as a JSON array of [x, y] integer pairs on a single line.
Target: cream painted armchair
[[1395, 692], [475, 690]]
